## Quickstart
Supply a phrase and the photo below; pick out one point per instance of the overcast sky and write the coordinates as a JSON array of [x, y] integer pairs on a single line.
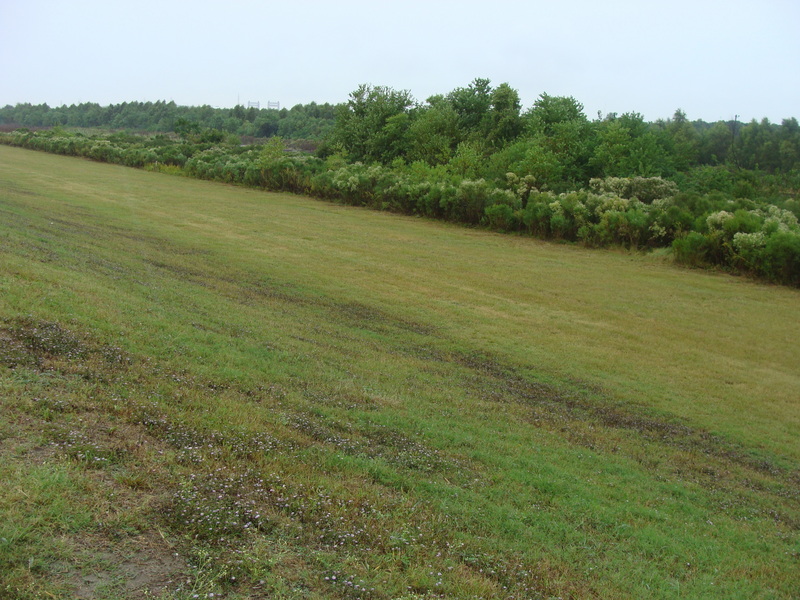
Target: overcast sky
[[713, 59]]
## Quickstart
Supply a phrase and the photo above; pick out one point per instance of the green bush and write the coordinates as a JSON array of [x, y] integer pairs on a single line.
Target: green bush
[[645, 189], [781, 258], [691, 249]]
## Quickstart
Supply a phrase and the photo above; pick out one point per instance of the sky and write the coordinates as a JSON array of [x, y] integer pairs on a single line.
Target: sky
[[714, 60]]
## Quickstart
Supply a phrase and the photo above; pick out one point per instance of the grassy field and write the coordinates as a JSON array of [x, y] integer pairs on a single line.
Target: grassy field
[[210, 391]]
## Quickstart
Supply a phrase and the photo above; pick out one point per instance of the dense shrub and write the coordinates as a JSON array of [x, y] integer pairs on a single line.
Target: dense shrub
[[691, 249], [780, 258], [715, 228], [644, 189]]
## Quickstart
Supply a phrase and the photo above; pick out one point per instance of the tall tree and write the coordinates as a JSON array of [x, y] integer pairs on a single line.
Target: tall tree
[[625, 148], [504, 121], [472, 105], [433, 135], [558, 126], [369, 127]]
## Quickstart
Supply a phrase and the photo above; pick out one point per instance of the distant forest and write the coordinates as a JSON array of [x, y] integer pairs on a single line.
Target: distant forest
[[723, 194], [302, 122]]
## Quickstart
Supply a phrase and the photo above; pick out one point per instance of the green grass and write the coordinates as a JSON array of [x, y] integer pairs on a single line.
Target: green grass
[[254, 394]]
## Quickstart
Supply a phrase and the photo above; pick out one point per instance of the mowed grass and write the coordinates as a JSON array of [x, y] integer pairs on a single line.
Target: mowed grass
[[263, 395]]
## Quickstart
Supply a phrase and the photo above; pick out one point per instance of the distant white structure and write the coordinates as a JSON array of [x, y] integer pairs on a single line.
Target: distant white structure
[[275, 105]]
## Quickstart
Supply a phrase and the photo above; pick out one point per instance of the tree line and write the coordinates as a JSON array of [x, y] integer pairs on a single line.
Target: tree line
[[301, 122], [553, 139]]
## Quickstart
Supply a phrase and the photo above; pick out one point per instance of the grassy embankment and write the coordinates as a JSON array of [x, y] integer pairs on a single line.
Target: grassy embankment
[[208, 389]]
